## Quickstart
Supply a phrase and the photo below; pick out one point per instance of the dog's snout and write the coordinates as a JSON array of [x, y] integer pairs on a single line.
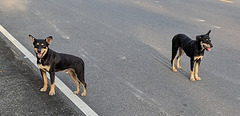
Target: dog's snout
[[211, 45], [39, 50]]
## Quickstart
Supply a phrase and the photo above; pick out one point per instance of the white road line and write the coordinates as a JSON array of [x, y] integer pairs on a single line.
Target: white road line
[[200, 20], [74, 98], [227, 1], [216, 27]]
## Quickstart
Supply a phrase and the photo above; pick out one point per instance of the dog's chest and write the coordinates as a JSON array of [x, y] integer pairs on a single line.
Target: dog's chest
[[43, 67], [198, 57]]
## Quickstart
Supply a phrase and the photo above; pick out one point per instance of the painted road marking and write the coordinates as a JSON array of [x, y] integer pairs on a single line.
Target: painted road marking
[[201, 20], [216, 27], [227, 1], [74, 98]]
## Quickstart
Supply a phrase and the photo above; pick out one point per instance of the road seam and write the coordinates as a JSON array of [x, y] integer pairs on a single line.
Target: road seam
[[62, 87]]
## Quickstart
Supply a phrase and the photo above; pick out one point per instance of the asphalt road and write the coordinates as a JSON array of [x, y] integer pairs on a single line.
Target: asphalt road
[[126, 46]]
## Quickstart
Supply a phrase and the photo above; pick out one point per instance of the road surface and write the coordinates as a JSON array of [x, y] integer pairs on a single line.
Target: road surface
[[126, 46]]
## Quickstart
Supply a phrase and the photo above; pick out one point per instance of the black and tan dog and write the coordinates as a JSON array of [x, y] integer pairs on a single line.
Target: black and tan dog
[[51, 62], [193, 48]]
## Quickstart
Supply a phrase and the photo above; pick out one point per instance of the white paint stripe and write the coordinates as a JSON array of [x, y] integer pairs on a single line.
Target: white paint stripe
[[200, 20], [216, 27], [227, 1], [74, 98]]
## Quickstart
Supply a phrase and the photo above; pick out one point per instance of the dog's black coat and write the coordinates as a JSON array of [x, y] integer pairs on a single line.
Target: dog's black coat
[[51, 62], [60, 62], [193, 48]]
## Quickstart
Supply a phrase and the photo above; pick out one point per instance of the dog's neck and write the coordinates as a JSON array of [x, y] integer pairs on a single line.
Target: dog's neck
[[200, 47]]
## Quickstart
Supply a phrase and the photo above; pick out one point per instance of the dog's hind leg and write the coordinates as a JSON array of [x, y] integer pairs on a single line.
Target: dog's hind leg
[[84, 85], [84, 89], [73, 76], [174, 53], [80, 75], [192, 70], [179, 56]]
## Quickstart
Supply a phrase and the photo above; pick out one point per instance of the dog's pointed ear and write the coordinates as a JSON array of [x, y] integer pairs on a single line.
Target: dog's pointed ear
[[208, 33], [49, 39], [31, 37]]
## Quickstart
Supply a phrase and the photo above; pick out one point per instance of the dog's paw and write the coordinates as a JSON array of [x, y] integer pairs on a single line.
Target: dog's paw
[[44, 89], [76, 92], [192, 79], [174, 70], [198, 78], [83, 94], [179, 67], [51, 93]]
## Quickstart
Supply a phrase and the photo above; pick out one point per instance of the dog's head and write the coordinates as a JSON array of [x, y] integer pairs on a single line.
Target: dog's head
[[41, 45], [205, 41]]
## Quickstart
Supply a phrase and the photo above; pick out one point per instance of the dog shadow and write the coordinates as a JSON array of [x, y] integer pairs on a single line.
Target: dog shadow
[[167, 63]]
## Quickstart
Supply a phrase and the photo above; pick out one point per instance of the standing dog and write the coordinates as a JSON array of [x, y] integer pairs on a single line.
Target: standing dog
[[51, 62], [193, 48]]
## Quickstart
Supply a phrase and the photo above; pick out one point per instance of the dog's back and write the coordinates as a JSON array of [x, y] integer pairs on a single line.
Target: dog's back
[[69, 61], [181, 40]]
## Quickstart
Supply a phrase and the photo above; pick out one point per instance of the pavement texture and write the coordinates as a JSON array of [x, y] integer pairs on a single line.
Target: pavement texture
[[126, 47], [19, 88]]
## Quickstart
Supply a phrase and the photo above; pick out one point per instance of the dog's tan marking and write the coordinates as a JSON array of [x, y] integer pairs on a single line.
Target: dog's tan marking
[[68, 70], [201, 43], [178, 65], [84, 93], [73, 76], [198, 57], [196, 72], [49, 39], [192, 76], [173, 67], [179, 56], [32, 38], [35, 49], [37, 43], [44, 68], [44, 89], [43, 50], [204, 44], [207, 45], [52, 90]]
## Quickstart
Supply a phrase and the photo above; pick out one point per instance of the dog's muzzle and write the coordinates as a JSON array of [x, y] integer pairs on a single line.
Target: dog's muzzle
[[40, 53], [208, 47]]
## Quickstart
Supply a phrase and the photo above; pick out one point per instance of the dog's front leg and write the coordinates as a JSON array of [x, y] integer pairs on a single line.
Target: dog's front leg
[[192, 70], [52, 77], [44, 75], [196, 70]]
